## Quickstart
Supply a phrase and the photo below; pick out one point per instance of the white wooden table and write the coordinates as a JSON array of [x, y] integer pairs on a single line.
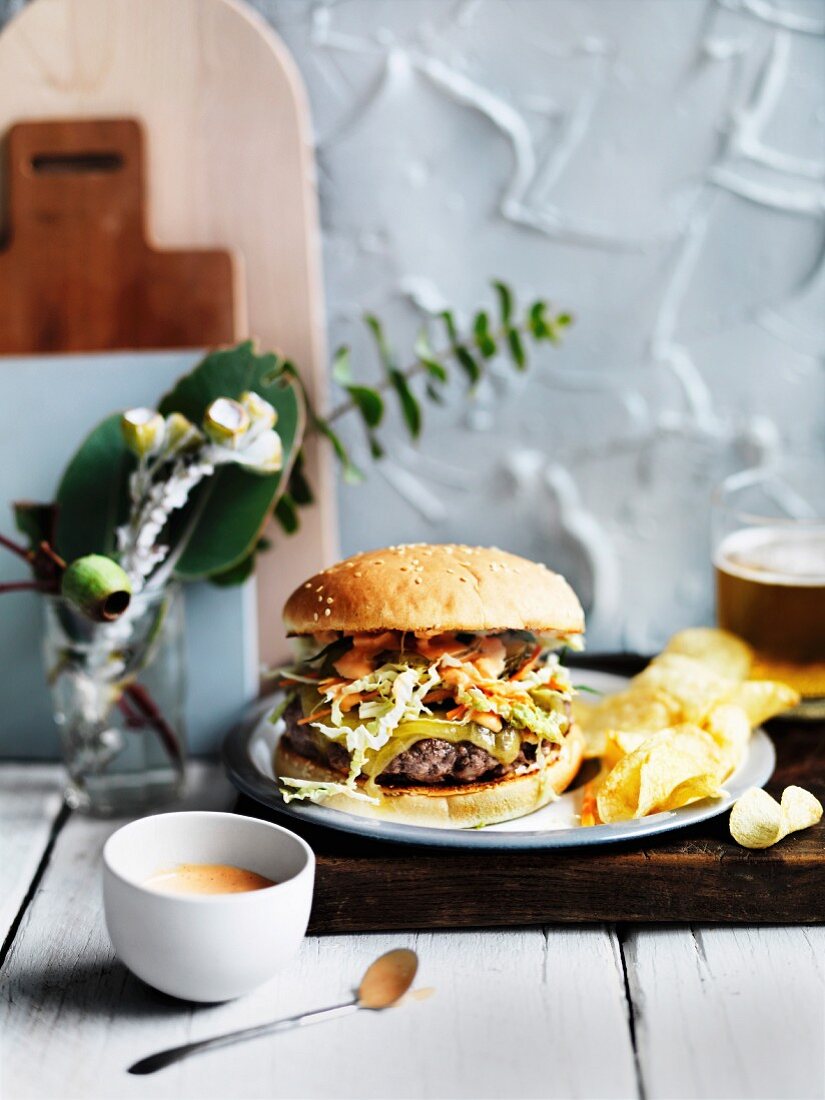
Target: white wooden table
[[545, 1012]]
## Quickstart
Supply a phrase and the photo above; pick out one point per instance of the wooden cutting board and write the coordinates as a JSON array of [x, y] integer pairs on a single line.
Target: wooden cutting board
[[228, 166], [78, 273], [696, 874]]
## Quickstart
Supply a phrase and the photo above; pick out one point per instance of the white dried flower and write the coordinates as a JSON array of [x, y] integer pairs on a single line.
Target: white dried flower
[[226, 422], [143, 430], [257, 447]]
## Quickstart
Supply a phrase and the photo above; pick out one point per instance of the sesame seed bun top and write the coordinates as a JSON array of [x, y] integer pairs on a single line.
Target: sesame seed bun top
[[430, 589]]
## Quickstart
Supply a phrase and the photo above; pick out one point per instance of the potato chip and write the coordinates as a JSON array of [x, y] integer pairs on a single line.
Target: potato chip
[[680, 728], [637, 708], [763, 699], [619, 743], [692, 687], [757, 820], [669, 769], [728, 725], [722, 651]]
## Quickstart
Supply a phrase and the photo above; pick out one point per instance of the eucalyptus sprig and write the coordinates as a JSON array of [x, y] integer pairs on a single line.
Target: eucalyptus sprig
[[511, 333], [188, 488]]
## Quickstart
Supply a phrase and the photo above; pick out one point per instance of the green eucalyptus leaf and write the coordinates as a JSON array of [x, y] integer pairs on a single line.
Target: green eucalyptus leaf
[[409, 402], [427, 359], [299, 488], [506, 302], [342, 367], [286, 513], [434, 393], [376, 450], [563, 320], [377, 330], [484, 338], [244, 569], [238, 503], [516, 346], [352, 475], [367, 400], [236, 574], [369, 403], [36, 521], [448, 317], [537, 322], [468, 363], [93, 494]]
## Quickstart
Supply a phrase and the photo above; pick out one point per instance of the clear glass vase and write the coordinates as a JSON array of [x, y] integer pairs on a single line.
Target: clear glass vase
[[118, 695]]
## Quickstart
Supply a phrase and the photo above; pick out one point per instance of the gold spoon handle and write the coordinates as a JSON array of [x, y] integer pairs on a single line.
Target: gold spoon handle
[[163, 1058]]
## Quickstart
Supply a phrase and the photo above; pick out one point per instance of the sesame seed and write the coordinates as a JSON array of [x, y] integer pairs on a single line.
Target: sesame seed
[[320, 588], [315, 616], [308, 584], [417, 580], [320, 599], [378, 561], [357, 574], [329, 599], [451, 571], [464, 579], [327, 611], [404, 569]]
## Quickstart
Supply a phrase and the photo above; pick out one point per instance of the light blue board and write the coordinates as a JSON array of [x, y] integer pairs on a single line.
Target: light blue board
[[47, 405]]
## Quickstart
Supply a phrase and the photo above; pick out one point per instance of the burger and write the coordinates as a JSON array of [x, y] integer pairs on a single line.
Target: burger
[[428, 688]]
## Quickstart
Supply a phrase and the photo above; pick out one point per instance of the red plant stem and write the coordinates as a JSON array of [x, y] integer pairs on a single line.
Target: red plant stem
[[133, 721], [149, 709], [21, 586], [53, 557], [15, 548]]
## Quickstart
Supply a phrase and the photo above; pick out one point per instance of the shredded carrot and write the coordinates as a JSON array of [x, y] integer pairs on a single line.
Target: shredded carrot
[[589, 811], [437, 696], [457, 713], [528, 664], [314, 717]]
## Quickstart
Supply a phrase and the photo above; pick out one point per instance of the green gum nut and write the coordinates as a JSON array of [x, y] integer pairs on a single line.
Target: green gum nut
[[98, 587], [143, 430], [226, 421]]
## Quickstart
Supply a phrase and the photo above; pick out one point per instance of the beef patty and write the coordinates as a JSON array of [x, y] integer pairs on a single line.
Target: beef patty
[[429, 761]]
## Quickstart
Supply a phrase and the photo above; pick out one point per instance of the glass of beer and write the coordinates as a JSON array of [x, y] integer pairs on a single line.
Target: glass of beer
[[769, 562]]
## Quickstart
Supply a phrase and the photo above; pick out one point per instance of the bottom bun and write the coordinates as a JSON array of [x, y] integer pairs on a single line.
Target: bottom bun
[[460, 807]]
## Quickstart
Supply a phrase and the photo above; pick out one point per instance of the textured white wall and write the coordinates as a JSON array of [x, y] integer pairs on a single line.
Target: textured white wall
[[657, 167]]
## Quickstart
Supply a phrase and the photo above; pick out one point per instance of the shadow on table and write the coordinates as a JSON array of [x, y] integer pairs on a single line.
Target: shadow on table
[[93, 987]]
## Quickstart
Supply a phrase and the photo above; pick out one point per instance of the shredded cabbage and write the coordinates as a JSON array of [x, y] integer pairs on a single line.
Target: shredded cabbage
[[398, 692], [401, 690], [317, 792]]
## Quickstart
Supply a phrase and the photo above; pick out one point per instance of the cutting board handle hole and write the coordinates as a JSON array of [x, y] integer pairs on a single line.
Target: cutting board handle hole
[[57, 164]]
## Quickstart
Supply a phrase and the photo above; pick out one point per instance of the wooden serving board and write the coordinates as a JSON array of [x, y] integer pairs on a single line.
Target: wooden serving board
[[229, 166], [695, 874], [78, 273]]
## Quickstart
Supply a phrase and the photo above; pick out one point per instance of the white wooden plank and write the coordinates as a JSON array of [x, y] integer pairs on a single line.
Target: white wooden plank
[[31, 797], [513, 1014], [729, 1011]]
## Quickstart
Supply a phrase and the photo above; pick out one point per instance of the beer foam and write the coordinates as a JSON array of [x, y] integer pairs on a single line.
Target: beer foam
[[775, 555]]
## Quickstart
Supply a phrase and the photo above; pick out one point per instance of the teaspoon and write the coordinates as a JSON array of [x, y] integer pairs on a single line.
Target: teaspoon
[[384, 983]]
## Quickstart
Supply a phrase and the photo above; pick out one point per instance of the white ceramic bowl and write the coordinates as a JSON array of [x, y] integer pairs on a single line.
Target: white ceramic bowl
[[206, 947]]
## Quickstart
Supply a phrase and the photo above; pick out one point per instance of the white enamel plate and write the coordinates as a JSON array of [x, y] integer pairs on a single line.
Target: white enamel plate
[[248, 752]]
